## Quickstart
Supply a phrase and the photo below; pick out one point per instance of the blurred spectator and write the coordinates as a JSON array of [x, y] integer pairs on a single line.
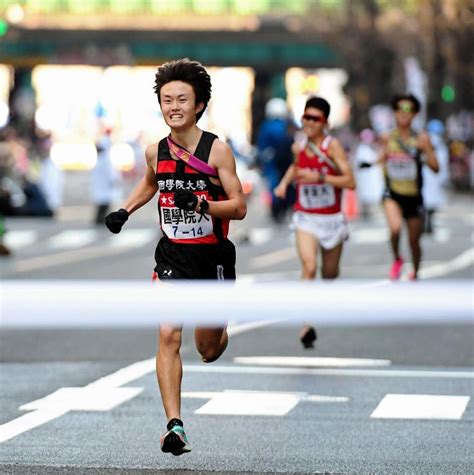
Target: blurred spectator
[[369, 179], [12, 197], [51, 180], [434, 184], [19, 150], [460, 165], [105, 179], [460, 131], [6, 160], [274, 153]]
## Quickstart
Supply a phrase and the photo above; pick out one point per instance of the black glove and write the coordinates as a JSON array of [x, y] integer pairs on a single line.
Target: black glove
[[365, 165], [185, 199], [115, 220]]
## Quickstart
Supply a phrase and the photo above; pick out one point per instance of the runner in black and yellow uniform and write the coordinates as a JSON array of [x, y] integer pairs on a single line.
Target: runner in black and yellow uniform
[[404, 154]]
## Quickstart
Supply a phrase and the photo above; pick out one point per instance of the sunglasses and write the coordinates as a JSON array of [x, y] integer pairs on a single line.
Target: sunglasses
[[314, 118], [404, 107]]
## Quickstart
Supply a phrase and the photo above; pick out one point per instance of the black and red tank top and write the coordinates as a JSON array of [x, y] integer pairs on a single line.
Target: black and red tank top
[[182, 226], [318, 198]]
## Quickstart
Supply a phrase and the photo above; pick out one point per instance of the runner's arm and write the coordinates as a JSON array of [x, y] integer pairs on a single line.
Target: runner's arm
[[424, 144], [235, 207], [146, 187], [288, 177]]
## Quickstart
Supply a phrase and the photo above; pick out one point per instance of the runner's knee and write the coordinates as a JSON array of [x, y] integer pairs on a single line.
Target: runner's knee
[[170, 338], [309, 268], [414, 242], [209, 353]]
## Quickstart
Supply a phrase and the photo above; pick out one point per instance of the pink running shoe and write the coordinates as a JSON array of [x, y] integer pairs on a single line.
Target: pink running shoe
[[396, 269], [412, 276]]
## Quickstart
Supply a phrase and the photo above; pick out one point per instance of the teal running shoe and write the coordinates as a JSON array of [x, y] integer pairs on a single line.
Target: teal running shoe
[[175, 440]]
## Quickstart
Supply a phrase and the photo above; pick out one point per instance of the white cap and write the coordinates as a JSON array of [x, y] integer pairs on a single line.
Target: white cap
[[276, 108]]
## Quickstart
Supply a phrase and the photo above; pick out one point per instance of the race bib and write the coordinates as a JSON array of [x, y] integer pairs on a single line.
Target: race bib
[[314, 196], [178, 223], [402, 169]]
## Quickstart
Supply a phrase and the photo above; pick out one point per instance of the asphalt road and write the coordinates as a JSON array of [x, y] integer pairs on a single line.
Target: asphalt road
[[380, 399]]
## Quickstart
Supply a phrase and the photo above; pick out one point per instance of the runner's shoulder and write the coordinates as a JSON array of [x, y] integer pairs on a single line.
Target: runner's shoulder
[[151, 154], [221, 152]]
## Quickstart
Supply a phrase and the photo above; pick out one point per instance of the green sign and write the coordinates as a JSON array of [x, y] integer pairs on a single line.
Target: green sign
[[3, 27]]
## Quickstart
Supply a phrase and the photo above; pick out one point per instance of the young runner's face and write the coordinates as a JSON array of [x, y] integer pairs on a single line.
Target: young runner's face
[[404, 113], [178, 104], [313, 122]]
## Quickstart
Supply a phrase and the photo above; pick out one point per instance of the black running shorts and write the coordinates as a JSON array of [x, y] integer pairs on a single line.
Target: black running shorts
[[195, 261], [411, 206]]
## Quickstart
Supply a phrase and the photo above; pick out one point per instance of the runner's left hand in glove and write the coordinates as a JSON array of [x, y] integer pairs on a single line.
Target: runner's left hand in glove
[[185, 199]]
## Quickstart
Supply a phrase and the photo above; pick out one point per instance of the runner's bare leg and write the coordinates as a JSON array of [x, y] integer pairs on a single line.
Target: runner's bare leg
[[169, 369]]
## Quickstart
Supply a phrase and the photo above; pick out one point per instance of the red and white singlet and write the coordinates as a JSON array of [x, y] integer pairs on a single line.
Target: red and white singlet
[[318, 198]]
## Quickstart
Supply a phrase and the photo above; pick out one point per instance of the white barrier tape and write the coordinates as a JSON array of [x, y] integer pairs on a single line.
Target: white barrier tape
[[132, 303]]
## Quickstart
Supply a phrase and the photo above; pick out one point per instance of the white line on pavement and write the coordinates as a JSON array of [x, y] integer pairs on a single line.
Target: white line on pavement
[[72, 238], [421, 406], [103, 394], [66, 257], [27, 422], [18, 239], [309, 362], [389, 373], [134, 238], [464, 260]]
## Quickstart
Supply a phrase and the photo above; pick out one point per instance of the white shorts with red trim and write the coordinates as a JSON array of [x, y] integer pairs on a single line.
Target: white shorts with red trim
[[329, 229]]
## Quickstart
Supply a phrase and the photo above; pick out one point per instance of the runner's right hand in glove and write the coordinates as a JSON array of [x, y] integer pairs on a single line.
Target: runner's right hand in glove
[[115, 220]]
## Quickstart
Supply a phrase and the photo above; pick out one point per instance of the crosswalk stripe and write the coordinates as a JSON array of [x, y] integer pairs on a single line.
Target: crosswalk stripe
[[133, 237], [421, 406], [72, 238], [16, 239]]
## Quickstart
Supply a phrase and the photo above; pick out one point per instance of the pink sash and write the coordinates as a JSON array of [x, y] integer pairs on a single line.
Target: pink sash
[[190, 159]]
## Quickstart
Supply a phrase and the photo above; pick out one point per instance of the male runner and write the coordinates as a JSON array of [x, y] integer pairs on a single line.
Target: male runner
[[321, 171], [403, 155], [196, 200]]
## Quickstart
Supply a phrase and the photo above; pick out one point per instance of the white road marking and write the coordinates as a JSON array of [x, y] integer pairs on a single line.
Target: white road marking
[[309, 362], [18, 239], [66, 257], [420, 406], [72, 238], [101, 395], [88, 398], [134, 238], [369, 236], [259, 236], [116, 245], [369, 373], [27, 422], [442, 234], [250, 403], [380, 235], [464, 260], [302, 396]]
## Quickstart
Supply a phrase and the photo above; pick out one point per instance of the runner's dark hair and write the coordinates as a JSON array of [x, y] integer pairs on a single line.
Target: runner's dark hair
[[190, 72], [320, 104], [406, 97]]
